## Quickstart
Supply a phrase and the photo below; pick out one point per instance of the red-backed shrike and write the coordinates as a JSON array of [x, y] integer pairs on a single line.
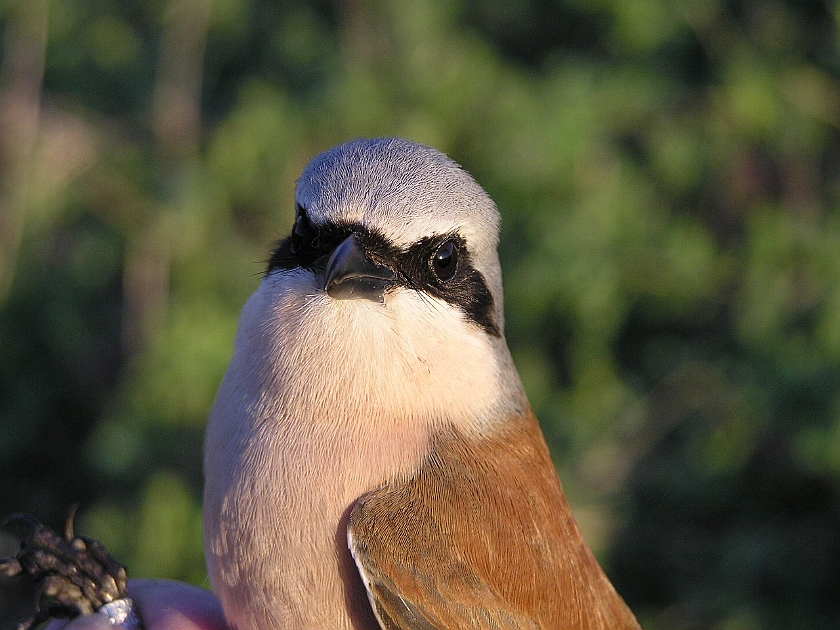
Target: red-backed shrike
[[372, 459]]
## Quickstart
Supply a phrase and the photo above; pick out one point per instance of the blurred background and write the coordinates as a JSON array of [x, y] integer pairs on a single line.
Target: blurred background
[[668, 173]]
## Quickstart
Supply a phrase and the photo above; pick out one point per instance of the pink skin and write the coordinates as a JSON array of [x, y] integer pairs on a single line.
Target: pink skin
[[163, 605]]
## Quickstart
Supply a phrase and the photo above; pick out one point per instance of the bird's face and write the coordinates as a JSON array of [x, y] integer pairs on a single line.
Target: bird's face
[[386, 295]]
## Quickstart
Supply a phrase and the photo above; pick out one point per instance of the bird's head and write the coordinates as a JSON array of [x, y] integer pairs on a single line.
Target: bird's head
[[389, 276], [375, 217]]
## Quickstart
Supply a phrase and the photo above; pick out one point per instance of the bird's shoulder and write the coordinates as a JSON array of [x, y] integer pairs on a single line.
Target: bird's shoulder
[[482, 537]]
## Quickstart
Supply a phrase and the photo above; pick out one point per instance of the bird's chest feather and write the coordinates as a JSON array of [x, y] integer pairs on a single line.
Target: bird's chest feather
[[281, 524]]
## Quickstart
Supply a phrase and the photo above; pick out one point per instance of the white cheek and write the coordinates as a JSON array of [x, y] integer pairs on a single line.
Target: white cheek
[[448, 360]]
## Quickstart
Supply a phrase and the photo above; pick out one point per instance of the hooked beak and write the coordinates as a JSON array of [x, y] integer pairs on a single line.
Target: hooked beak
[[349, 274]]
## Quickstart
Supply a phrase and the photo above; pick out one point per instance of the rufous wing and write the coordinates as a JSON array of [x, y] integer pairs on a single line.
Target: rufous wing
[[481, 537]]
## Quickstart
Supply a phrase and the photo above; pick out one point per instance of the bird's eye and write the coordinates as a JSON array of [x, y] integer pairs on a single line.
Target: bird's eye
[[445, 261]]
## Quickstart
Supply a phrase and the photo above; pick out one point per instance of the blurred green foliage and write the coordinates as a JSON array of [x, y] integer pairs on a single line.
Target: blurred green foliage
[[669, 176]]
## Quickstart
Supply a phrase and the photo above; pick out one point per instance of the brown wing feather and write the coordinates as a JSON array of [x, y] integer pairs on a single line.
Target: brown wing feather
[[481, 537]]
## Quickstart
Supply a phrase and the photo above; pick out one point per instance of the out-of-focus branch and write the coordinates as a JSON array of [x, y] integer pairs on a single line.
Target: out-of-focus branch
[[176, 122], [177, 105], [22, 74]]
